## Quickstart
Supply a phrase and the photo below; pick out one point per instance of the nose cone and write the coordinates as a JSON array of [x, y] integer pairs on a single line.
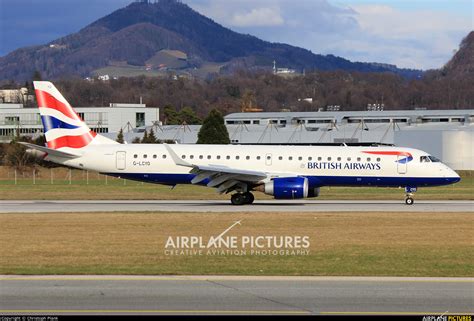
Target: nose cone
[[454, 177], [457, 178]]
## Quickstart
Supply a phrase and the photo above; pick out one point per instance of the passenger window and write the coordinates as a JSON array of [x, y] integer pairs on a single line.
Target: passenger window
[[320, 158], [183, 157], [135, 156], [329, 159], [300, 158], [358, 159], [378, 159], [145, 156], [310, 158], [368, 159], [218, 157], [290, 158], [348, 159], [258, 157], [191, 156], [247, 158], [280, 158], [154, 156], [269, 157], [228, 157], [338, 159], [201, 157], [208, 156], [164, 156], [237, 157]]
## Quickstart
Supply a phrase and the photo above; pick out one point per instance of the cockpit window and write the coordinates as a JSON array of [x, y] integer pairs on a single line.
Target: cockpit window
[[434, 159], [424, 159]]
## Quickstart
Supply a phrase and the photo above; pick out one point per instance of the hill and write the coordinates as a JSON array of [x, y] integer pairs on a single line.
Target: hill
[[134, 36], [462, 63]]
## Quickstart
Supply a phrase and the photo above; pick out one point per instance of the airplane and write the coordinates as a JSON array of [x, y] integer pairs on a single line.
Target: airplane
[[285, 172]]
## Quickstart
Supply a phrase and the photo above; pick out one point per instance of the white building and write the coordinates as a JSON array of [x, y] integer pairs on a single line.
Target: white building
[[129, 117]]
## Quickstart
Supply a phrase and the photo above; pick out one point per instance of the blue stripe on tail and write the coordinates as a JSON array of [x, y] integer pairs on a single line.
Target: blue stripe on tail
[[50, 122]]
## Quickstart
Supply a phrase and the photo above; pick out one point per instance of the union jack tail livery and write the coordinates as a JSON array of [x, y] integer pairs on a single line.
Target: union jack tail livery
[[63, 128]]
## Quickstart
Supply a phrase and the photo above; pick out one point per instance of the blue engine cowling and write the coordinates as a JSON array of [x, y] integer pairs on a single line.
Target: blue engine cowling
[[288, 187]]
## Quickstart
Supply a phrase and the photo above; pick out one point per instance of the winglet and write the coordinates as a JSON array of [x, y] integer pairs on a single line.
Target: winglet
[[177, 160]]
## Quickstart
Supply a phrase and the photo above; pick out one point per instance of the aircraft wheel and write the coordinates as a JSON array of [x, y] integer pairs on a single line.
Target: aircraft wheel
[[409, 201], [248, 197], [237, 199]]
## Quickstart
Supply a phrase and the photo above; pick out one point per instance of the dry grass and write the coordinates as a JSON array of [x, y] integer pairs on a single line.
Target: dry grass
[[398, 244]]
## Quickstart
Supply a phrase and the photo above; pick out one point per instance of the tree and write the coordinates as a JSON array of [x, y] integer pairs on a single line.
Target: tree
[[37, 76], [171, 117], [151, 137], [213, 130], [120, 137], [188, 116], [145, 137], [15, 154]]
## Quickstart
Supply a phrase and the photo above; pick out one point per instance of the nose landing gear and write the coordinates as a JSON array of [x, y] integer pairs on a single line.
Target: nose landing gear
[[409, 192]]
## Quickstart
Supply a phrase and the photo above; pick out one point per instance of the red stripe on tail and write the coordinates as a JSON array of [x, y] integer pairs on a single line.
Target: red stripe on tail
[[45, 100], [72, 141]]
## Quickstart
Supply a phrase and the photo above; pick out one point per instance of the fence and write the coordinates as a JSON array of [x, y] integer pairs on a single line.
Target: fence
[[57, 176]]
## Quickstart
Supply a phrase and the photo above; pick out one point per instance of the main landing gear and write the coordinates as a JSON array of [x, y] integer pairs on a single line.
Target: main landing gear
[[242, 198], [409, 192]]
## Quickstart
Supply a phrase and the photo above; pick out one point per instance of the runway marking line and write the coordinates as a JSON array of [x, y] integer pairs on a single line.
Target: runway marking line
[[158, 311], [224, 279], [394, 313]]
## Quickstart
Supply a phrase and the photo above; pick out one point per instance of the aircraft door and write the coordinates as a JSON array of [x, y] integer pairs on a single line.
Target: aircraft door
[[121, 160], [402, 164], [268, 159]]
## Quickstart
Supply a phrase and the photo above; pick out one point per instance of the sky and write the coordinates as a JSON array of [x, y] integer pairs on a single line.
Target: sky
[[421, 34]]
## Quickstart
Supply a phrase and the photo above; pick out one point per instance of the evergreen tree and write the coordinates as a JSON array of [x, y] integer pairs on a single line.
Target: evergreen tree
[[145, 138], [151, 137], [136, 140], [213, 130], [171, 117], [188, 116], [120, 136]]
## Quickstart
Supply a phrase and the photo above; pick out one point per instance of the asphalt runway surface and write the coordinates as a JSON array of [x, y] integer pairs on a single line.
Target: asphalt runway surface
[[225, 206], [234, 295]]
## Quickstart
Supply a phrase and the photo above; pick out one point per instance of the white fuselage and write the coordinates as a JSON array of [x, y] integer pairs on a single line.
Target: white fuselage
[[322, 165]]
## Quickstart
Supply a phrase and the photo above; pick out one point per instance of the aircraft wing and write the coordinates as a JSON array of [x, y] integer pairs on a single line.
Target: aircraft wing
[[225, 179]]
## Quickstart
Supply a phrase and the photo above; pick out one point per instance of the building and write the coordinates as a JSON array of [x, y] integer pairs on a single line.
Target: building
[[447, 134], [107, 120], [14, 96]]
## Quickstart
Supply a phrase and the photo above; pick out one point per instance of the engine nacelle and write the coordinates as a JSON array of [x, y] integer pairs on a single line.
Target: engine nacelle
[[36, 153], [287, 188]]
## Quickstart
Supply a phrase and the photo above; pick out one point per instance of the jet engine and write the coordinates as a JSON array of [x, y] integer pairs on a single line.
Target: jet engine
[[286, 187]]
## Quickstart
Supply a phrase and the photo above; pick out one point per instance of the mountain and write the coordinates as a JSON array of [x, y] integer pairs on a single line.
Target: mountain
[[462, 63], [131, 40]]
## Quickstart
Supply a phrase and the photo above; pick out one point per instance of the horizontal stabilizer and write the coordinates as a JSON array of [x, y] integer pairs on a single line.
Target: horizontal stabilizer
[[51, 152]]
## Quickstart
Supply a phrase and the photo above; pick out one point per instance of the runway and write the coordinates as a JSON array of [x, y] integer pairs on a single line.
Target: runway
[[234, 295], [224, 206]]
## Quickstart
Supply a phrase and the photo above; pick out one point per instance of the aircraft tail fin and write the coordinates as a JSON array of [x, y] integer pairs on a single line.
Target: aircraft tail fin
[[63, 128]]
